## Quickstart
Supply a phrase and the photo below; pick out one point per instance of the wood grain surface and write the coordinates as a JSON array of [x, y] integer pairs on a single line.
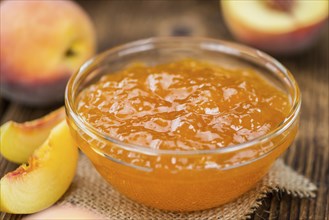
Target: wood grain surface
[[122, 21]]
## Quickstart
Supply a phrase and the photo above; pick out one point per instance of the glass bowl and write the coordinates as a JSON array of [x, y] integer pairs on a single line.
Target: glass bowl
[[182, 180]]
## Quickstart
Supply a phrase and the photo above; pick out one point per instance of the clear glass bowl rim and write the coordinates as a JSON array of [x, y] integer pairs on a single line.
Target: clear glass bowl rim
[[226, 47]]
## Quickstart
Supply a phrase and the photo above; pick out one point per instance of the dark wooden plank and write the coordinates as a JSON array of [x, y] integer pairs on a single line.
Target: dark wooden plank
[[262, 212], [312, 154], [118, 22], [3, 105]]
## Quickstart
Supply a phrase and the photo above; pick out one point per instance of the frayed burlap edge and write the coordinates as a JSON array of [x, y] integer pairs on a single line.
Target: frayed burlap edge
[[91, 192]]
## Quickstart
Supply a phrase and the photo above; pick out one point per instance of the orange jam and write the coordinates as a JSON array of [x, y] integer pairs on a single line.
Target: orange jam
[[187, 105]]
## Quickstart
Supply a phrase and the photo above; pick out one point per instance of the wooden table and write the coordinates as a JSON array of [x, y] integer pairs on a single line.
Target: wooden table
[[118, 22]]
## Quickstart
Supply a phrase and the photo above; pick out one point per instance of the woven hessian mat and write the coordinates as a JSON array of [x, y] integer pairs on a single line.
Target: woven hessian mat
[[91, 192]]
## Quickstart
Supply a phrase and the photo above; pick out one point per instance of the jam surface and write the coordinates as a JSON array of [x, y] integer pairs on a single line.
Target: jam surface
[[184, 105]]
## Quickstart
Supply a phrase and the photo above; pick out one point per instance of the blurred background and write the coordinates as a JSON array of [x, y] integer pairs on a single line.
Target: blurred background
[[121, 21]]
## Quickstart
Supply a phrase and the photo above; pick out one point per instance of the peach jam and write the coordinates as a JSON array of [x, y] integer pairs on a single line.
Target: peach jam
[[183, 106], [187, 105]]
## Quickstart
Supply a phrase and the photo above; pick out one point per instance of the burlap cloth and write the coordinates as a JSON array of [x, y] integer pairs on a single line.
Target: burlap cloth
[[91, 192]]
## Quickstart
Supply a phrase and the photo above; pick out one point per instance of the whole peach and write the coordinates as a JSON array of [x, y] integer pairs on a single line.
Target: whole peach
[[42, 44]]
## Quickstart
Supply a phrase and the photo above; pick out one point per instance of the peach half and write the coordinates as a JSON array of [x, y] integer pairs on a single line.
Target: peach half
[[276, 26], [19, 140], [45, 178]]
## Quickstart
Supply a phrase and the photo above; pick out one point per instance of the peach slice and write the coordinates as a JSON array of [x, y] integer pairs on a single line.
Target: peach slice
[[19, 140], [40, 183]]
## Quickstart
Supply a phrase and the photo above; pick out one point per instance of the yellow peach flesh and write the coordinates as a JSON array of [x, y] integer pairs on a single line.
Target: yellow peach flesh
[[45, 179], [18, 141]]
